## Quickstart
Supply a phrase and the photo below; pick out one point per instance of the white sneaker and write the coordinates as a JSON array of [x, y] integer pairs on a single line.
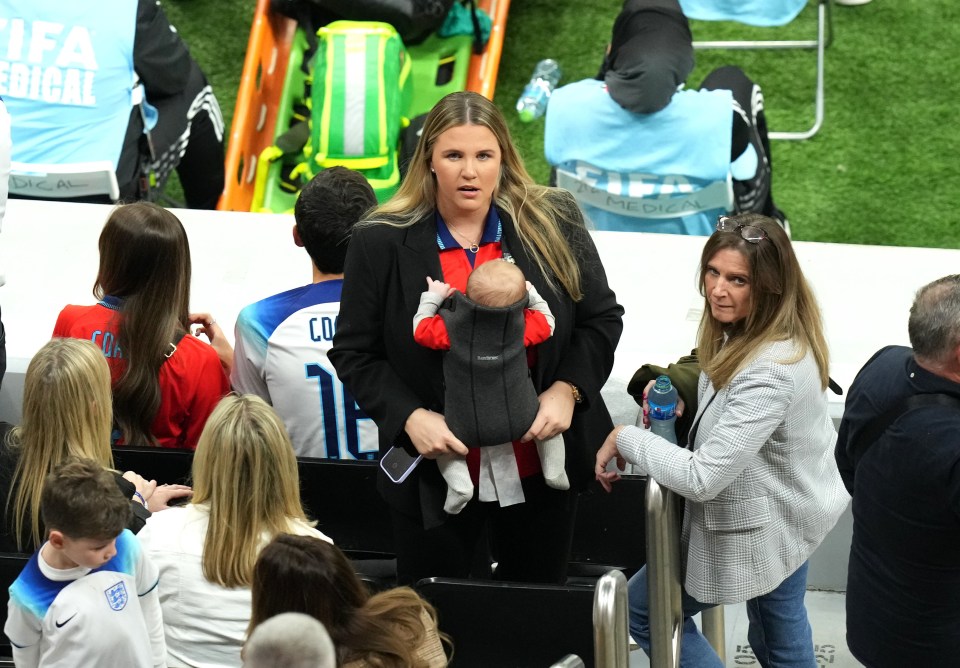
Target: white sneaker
[[851, 3]]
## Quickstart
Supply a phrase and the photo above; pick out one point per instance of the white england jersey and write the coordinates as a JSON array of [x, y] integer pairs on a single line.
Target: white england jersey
[[77, 617], [281, 355]]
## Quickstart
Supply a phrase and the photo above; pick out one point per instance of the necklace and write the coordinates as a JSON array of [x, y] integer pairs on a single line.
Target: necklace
[[473, 246]]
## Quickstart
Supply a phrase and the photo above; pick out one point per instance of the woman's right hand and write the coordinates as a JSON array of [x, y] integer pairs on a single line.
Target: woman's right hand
[[646, 406], [431, 436], [164, 494]]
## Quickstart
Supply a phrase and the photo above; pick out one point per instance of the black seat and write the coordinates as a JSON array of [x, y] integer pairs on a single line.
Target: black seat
[[342, 497], [509, 624], [167, 466], [609, 530], [10, 566]]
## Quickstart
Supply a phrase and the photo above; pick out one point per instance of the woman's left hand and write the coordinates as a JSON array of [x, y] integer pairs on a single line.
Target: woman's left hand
[[218, 340], [555, 413], [607, 452]]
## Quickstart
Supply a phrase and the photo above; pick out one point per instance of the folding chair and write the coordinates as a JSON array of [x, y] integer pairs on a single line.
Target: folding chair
[[769, 13], [619, 202]]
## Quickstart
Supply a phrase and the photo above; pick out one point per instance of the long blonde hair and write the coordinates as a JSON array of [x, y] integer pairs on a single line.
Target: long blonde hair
[[539, 212], [67, 413], [245, 472], [782, 305]]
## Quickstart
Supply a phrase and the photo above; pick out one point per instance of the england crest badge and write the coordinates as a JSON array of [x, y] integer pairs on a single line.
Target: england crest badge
[[117, 596]]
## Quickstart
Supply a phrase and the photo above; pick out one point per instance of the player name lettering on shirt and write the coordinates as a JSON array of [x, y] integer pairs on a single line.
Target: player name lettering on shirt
[[323, 328]]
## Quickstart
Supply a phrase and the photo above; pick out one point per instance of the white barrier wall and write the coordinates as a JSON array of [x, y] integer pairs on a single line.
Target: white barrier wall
[[50, 254]]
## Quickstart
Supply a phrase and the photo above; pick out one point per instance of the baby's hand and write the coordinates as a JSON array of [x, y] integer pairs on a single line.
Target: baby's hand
[[439, 288], [529, 286]]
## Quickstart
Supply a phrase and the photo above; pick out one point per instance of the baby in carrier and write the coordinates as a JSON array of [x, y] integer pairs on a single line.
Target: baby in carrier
[[489, 397]]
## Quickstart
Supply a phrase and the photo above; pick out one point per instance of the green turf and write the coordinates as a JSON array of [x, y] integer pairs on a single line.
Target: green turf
[[882, 170]]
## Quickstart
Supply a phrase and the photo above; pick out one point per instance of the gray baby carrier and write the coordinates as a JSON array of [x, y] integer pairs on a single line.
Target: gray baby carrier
[[489, 397]]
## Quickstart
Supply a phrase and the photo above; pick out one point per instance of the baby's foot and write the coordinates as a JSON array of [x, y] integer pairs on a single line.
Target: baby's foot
[[458, 499]]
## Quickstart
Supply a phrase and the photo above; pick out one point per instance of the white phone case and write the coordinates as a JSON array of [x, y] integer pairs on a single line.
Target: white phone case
[[398, 464]]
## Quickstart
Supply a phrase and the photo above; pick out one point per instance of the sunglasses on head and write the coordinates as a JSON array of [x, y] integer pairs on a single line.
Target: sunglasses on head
[[750, 233]]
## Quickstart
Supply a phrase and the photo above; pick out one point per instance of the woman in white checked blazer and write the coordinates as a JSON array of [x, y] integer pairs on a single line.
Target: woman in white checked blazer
[[761, 485]]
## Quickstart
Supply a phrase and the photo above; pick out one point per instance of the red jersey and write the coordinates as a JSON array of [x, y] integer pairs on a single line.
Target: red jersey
[[192, 381]]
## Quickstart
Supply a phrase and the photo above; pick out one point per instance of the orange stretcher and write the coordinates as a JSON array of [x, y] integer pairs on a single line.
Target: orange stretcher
[[262, 83]]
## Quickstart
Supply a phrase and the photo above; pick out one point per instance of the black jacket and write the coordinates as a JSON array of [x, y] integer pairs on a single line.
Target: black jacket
[[903, 589], [390, 375]]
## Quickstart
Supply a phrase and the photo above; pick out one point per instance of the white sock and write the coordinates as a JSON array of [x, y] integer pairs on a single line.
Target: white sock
[[552, 460], [454, 470]]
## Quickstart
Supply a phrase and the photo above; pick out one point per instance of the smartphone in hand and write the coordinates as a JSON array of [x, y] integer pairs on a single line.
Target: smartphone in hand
[[398, 464]]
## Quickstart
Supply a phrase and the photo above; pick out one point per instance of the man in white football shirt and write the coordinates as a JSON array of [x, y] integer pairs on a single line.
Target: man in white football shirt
[[282, 341]]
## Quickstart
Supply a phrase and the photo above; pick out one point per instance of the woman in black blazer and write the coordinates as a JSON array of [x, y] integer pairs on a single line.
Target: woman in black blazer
[[466, 199]]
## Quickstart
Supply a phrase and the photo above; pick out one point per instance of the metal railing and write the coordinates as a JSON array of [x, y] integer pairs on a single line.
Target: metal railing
[[611, 639], [664, 583]]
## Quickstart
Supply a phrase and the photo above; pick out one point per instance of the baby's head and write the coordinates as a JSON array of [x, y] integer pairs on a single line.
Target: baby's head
[[496, 283]]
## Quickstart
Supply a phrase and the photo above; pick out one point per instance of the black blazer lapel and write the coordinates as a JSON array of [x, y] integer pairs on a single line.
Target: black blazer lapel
[[418, 258]]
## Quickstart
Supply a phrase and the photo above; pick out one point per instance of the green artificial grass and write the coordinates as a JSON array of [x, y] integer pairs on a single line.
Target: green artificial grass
[[881, 171]]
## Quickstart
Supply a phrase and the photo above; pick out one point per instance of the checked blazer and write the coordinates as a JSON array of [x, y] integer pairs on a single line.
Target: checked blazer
[[761, 484]]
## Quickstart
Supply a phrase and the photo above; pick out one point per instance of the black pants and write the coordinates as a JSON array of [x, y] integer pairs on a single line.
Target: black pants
[[749, 127], [200, 168], [529, 541]]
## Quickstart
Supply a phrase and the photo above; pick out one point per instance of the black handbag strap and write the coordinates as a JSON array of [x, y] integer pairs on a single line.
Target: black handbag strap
[[880, 424]]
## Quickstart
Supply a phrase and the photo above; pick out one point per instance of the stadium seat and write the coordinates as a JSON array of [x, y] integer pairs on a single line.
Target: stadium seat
[[769, 13], [168, 466], [509, 624], [609, 531], [342, 497]]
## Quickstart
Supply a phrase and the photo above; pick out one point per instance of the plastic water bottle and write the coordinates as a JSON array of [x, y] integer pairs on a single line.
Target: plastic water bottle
[[662, 401], [533, 101]]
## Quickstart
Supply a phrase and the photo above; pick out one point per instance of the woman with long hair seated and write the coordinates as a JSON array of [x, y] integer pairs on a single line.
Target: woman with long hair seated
[[394, 628], [66, 413], [245, 492], [165, 382]]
